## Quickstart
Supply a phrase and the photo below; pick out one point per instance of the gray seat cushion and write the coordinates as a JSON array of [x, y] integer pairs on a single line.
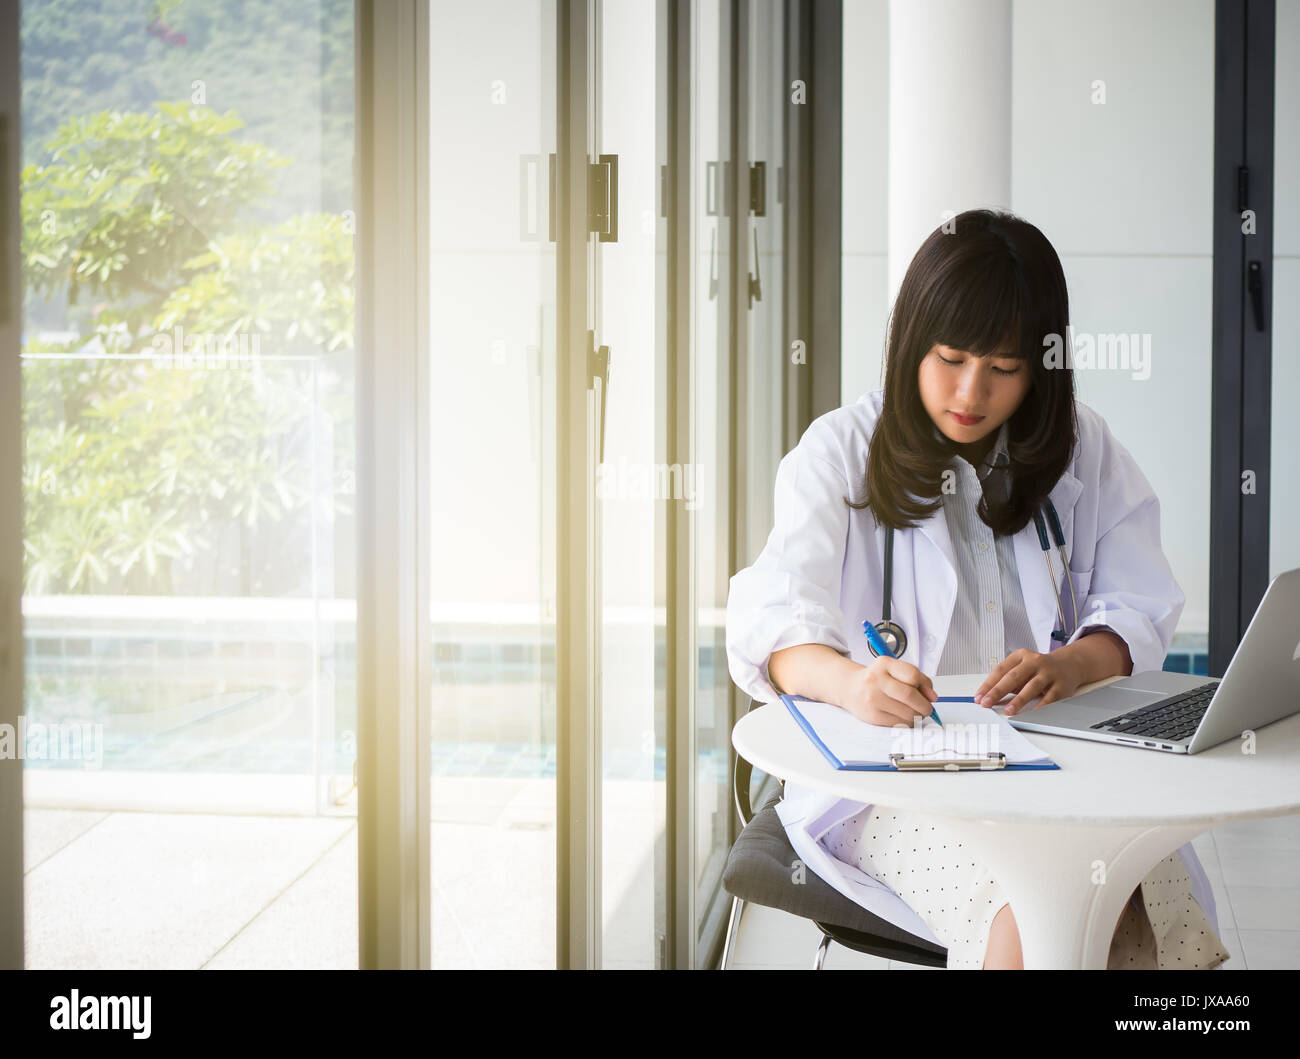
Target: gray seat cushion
[[760, 869]]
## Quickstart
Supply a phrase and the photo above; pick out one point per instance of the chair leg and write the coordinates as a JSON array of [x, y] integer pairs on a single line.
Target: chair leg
[[737, 910], [821, 952]]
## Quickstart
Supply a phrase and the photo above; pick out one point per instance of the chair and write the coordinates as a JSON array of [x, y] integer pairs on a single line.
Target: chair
[[758, 870]]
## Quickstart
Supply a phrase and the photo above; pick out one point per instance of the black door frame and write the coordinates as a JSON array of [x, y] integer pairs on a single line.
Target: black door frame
[[11, 489], [1241, 377]]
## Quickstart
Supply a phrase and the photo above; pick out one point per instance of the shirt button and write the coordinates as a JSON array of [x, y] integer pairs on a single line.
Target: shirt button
[[991, 606], [984, 546], [993, 661]]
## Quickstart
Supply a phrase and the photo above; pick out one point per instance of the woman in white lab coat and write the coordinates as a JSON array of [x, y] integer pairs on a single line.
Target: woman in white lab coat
[[966, 379]]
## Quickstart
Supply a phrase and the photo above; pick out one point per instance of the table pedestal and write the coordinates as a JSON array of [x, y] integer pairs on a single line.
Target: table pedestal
[[1068, 883]]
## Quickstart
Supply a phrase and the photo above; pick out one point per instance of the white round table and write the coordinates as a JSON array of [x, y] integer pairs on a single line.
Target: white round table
[[1050, 837]]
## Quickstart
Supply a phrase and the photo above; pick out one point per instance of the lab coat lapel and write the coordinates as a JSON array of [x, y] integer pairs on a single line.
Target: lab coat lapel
[[1035, 584], [935, 570]]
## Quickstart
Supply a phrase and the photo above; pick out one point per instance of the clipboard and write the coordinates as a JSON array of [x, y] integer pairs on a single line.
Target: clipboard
[[850, 744]]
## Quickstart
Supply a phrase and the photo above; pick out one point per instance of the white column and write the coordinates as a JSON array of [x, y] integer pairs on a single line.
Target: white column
[[949, 117]]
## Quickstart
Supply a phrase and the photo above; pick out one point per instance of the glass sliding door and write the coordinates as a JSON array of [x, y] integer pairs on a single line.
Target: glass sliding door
[[188, 387], [498, 188], [510, 481], [634, 488], [715, 218], [492, 300], [762, 356], [763, 367]]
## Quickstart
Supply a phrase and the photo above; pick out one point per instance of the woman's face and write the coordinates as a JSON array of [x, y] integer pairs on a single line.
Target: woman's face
[[954, 383]]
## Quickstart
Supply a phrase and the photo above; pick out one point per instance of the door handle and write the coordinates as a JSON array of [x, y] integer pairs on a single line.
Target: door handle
[[758, 189], [551, 198], [713, 264], [1255, 285], [598, 368], [755, 277]]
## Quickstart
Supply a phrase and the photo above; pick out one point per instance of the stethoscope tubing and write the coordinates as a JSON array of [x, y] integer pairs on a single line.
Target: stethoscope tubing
[[886, 625]]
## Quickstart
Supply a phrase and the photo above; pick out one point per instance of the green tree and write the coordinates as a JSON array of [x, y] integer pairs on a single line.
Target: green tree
[[143, 220]]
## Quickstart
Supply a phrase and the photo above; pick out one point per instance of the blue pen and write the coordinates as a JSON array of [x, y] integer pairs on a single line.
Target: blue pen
[[873, 638]]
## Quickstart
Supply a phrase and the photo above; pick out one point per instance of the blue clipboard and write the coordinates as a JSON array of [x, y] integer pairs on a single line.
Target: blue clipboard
[[922, 764]]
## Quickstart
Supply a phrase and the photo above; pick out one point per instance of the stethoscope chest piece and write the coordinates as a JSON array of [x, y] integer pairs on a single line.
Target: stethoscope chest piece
[[892, 633], [894, 637]]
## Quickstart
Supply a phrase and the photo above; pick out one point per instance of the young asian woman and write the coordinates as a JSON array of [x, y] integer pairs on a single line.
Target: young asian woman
[[974, 432]]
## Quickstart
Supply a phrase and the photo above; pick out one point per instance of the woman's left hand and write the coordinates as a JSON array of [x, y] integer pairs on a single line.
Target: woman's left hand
[[1030, 674]]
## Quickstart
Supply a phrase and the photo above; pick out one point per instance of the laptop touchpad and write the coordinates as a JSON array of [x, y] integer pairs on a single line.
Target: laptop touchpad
[[1112, 699]]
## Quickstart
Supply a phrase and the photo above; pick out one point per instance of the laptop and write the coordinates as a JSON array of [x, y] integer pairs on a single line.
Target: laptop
[[1183, 714]]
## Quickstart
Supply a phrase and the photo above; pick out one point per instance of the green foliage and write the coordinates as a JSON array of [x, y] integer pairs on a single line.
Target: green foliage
[[294, 279], [126, 198], [285, 68], [131, 466]]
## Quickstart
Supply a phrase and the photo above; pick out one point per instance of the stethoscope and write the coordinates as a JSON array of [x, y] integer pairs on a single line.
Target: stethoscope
[[892, 633]]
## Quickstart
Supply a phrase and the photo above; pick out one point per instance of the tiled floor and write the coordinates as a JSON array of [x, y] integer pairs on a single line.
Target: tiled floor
[[1253, 867], [205, 889], [180, 890], [184, 873]]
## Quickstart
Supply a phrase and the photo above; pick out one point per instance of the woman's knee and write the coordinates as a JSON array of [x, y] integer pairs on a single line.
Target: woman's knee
[[1004, 943]]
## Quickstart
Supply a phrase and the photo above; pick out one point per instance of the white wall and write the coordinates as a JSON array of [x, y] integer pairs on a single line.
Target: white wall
[[1284, 513]]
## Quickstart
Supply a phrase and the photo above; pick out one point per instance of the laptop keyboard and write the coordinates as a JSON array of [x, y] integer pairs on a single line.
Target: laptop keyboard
[[1174, 718]]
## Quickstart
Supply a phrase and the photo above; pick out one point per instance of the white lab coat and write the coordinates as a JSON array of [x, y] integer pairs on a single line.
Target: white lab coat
[[820, 574]]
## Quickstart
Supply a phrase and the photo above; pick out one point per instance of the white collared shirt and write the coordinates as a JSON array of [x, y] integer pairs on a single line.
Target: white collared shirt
[[989, 619]]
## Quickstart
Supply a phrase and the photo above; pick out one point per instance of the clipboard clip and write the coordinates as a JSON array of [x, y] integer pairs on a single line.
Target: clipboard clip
[[989, 762]]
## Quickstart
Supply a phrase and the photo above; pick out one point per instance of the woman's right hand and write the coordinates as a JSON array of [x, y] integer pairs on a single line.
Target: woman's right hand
[[889, 691]]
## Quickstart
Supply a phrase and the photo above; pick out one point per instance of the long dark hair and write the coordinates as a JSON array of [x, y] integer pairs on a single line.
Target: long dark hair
[[985, 282]]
